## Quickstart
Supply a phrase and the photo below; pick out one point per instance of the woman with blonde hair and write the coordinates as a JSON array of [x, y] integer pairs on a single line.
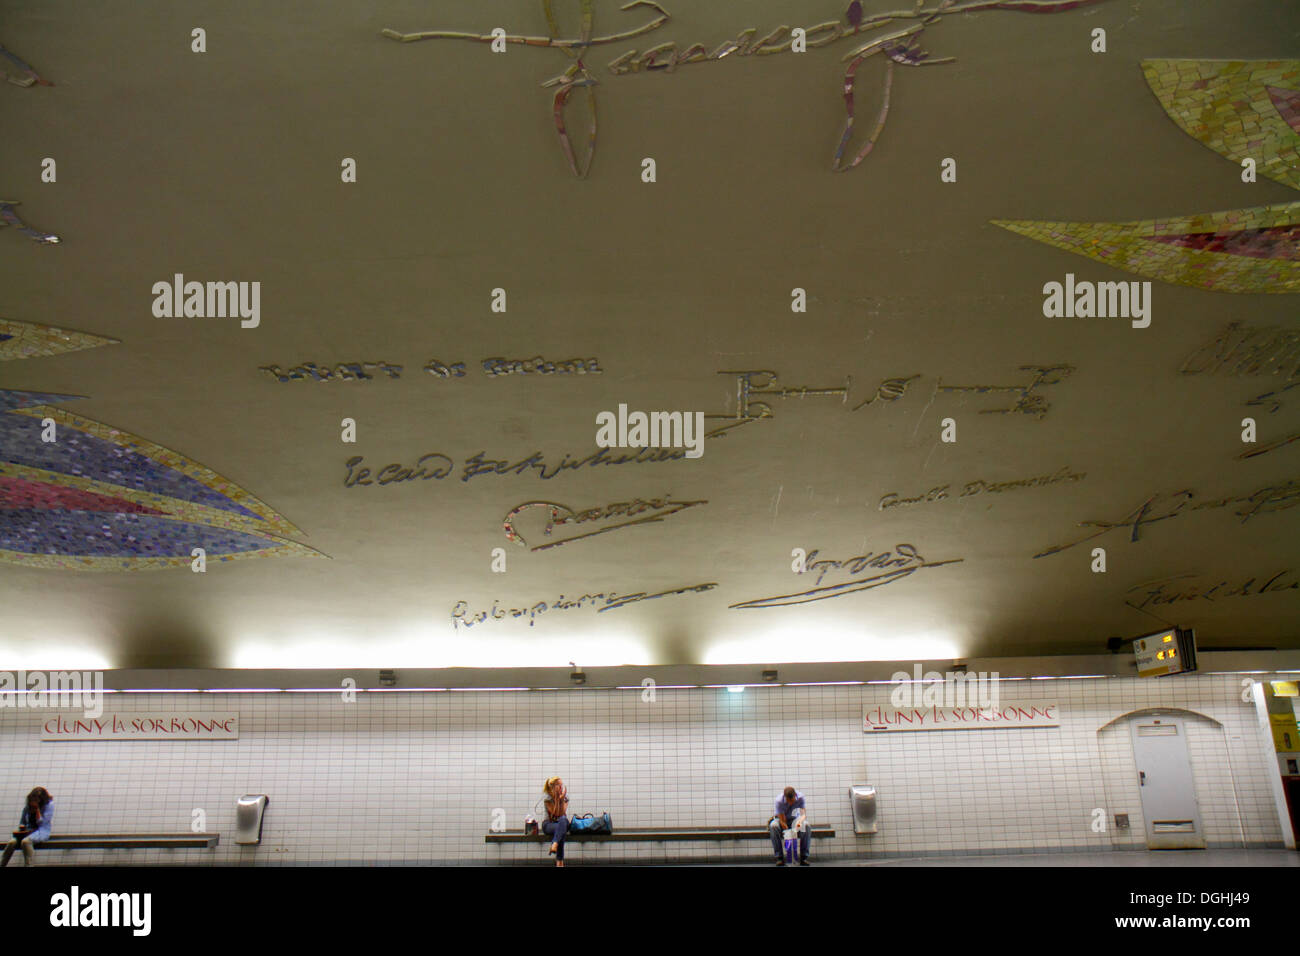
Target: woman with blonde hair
[[556, 824]]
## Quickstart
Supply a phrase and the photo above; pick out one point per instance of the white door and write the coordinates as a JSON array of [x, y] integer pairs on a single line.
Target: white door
[[1169, 807]]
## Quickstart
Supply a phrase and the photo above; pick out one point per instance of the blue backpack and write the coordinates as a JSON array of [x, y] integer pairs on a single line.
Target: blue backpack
[[590, 823]]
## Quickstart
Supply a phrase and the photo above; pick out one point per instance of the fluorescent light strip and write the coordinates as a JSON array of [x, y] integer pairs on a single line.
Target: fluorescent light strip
[[242, 690], [488, 688], [161, 690]]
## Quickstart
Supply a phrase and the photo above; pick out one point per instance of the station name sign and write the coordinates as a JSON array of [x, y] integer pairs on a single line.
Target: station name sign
[[1008, 714], [168, 726]]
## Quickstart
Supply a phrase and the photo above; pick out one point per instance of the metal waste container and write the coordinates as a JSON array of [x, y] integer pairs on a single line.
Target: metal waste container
[[862, 797], [248, 818]]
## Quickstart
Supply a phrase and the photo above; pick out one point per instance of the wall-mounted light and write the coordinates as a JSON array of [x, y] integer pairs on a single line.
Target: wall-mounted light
[[770, 676], [388, 678], [736, 689], [578, 676]]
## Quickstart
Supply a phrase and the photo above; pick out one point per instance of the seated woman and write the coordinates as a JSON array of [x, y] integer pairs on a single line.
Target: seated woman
[[556, 824], [33, 826]]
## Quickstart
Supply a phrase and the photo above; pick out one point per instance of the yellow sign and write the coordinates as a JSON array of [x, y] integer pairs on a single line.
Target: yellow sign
[[1286, 737]]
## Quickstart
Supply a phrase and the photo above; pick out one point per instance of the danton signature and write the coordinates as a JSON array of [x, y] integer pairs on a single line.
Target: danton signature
[[634, 512]]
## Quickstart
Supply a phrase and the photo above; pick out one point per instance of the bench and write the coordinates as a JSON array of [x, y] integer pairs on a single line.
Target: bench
[[655, 834], [129, 841]]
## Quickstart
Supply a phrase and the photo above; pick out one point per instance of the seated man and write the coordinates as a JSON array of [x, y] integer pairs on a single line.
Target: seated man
[[791, 813]]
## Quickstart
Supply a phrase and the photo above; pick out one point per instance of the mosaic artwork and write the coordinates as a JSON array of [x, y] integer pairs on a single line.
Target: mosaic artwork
[[1242, 110], [101, 499], [8, 217], [1245, 250], [900, 46], [26, 76], [24, 340]]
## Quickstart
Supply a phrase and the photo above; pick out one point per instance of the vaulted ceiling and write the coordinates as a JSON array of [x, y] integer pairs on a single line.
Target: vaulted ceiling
[[921, 316]]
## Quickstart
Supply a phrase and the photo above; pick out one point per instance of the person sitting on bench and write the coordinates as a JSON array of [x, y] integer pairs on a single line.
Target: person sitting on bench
[[791, 813], [557, 816], [33, 826]]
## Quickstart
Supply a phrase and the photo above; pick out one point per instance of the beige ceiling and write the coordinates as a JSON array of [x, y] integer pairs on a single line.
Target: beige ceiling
[[225, 165]]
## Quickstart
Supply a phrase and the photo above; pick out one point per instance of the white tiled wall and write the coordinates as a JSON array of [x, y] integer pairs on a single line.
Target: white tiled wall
[[414, 777]]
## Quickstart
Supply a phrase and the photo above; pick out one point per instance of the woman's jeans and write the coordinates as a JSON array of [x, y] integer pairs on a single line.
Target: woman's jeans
[[556, 830], [29, 853]]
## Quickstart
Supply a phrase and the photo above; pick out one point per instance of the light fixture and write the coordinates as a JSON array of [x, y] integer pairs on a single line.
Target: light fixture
[[388, 678], [578, 677], [770, 676], [736, 689]]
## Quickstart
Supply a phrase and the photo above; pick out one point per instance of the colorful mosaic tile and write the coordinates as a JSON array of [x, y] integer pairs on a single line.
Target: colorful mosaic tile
[[1238, 108], [24, 340], [1242, 110], [1245, 250], [103, 499], [26, 76], [8, 217]]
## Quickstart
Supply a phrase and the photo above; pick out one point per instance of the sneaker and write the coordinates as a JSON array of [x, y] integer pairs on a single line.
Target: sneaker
[[804, 863], [780, 862]]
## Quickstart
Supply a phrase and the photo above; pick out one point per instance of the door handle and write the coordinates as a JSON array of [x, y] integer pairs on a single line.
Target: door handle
[[1142, 778]]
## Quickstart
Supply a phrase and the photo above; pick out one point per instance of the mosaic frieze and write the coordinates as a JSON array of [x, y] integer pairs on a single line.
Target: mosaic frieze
[[1244, 250], [99, 498], [24, 340], [15, 70], [9, 217], [1245, 111], [1241, 109]]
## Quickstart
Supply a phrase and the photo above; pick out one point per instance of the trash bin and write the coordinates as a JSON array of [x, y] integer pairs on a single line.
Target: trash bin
[[862, 797], [248, 818]]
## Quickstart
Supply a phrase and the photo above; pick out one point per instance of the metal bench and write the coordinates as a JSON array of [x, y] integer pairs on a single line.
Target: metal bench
[[655, 834], [129, 841]]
